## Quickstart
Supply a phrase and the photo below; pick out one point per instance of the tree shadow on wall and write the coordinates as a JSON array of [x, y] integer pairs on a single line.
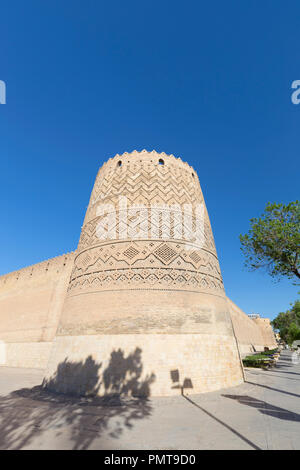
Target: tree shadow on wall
[[75, 421]]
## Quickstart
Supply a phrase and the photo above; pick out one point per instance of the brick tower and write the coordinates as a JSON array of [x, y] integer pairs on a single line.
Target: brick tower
[[146, 311]]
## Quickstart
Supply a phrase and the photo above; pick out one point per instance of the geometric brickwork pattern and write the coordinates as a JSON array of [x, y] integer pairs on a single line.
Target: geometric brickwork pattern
[[164, 263], [141, 264]]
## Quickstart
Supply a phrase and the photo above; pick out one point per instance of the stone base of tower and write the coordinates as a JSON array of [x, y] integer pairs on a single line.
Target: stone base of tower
[[143, 365]]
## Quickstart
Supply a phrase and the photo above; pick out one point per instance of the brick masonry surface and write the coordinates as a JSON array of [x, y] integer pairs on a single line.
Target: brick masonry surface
[[131, 315]]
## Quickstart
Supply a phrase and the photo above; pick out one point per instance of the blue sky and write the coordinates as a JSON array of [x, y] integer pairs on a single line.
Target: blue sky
[[207, 81]]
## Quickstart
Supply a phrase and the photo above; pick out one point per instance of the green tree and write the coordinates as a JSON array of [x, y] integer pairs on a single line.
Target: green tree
[[295, 311], [273, 241], [288, 323], [293, 333], [282, 323]]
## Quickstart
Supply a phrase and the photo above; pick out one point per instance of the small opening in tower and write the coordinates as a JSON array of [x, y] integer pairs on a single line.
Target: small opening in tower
[[161, 162], [119, 163], [193, 175]]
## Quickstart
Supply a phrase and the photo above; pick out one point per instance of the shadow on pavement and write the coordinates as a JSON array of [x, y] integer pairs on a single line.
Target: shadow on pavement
[[265, 408], [236, 433], [274, 389], [27, 413]]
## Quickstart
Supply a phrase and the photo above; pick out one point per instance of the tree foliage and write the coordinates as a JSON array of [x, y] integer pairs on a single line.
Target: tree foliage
[[288, 323], [273, 241]]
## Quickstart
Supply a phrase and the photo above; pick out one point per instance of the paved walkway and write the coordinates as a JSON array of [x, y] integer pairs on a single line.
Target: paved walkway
[[263, 413]]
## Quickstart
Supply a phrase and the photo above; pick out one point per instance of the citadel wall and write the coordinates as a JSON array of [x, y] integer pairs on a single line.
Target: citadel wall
[[31, 300], [268, 336], [151, 308], [248, 333]]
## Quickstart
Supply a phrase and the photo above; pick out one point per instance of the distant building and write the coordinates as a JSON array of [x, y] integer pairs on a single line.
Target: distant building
[[254, 315]]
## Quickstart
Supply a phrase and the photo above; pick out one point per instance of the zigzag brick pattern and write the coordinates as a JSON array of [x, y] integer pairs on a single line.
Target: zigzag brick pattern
[[146, 263]]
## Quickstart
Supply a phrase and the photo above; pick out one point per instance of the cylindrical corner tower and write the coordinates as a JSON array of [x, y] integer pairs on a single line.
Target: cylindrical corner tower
[[146, 311]]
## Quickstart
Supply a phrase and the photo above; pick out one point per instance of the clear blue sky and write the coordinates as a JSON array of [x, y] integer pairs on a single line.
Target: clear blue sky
[[207, 81]]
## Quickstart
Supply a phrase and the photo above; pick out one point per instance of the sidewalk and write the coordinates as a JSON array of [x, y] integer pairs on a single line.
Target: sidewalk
[[262, 413]]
